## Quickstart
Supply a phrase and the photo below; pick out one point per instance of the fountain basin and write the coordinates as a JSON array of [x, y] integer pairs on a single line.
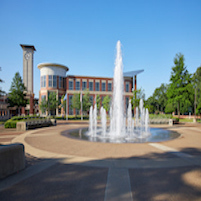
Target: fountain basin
[[157, 135]]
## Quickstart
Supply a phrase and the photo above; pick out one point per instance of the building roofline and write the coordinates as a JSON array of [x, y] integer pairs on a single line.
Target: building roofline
[[79, 76], [132, 73], [41, 65], [28, 46]]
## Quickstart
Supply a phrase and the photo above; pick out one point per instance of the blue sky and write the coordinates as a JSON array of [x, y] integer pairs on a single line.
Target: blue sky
[[82, 35]]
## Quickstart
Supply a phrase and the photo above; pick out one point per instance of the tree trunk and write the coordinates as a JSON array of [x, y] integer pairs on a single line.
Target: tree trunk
[[178, 110]]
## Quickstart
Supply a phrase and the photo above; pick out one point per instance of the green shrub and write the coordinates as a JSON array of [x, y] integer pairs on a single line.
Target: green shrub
[[10, 124], [176, 120], [160, 116]]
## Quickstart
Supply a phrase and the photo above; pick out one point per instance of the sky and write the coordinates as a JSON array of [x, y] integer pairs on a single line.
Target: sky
[[82, 34]]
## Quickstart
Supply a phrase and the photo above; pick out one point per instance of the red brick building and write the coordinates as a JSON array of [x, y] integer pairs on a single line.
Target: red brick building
[[54, 79]]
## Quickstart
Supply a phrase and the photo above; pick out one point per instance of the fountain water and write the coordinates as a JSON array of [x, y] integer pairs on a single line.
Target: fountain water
[[118, 129]]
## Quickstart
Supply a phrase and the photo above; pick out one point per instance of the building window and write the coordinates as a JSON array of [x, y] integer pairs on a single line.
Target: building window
[[91, 100], [50, 81], [77, 85], [91, 86], [77, 112], [64, 82], [61, 82], [43, 97], [127, 86], [43, 81], [127, 102], [97, 86], [59, 108], [54, 81], [70, 83], [84, 85], [103, 86], [109, 86], [70, 105]]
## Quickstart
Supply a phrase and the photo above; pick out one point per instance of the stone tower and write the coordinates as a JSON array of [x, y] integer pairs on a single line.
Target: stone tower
[[28, 51]]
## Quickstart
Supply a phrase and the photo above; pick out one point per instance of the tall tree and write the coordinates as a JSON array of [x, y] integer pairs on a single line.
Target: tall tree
[[52, 102], [106, 103], [16, 95], [1, 91], [43, 105], [197, 86], [76, 101], [180, 89], [86, 101], [98, 100], [160, 97], [137, 95]]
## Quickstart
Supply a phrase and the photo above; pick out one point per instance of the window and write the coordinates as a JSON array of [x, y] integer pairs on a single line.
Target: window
[[43, 81], [127, 102], [97, 86], [43, 97], [50, 80], [61, 82], [109, 86], [64, 82], [127, 86], [91, 86], [70, 85], [59, 108], [103, 86], [70, 105], [84, 85], [77, 85], [77, 111], [54, 81], [91, 100]]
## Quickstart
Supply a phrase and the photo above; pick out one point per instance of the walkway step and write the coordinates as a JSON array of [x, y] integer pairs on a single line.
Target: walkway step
[[118, 185]]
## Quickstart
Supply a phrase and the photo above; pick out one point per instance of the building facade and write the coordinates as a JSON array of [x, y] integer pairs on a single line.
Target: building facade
[[53, 79]]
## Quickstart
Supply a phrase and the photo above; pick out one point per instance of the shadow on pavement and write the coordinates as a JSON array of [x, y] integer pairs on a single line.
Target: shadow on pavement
[[84, 182]]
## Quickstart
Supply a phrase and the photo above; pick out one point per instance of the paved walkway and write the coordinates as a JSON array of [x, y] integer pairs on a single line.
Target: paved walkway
[[69, 169]]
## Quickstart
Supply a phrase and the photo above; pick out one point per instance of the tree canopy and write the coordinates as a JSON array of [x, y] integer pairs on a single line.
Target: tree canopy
[[17, 94], [197, 86], [137, 95], [1, 91], [179, 92], [106, 103], [76, 101]]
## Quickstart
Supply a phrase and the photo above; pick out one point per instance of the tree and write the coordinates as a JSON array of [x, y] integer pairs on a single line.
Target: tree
[[106, 103], [52, 102], [160, 97], [98, 100], [63, 103], [86, 101], [197, 86], [43, 105], [150, 104], [16, 95], [180, 89], [137, 95], [1, 91], [76, 101]]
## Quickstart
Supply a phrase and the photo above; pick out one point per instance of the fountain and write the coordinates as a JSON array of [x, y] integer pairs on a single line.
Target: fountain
[[119, 130], [123, 128]]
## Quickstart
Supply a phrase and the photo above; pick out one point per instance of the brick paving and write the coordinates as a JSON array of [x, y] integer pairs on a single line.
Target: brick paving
[[83, 173]]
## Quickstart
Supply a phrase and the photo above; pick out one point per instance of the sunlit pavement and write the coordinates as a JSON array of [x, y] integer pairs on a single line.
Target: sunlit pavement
[[69, 169]]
